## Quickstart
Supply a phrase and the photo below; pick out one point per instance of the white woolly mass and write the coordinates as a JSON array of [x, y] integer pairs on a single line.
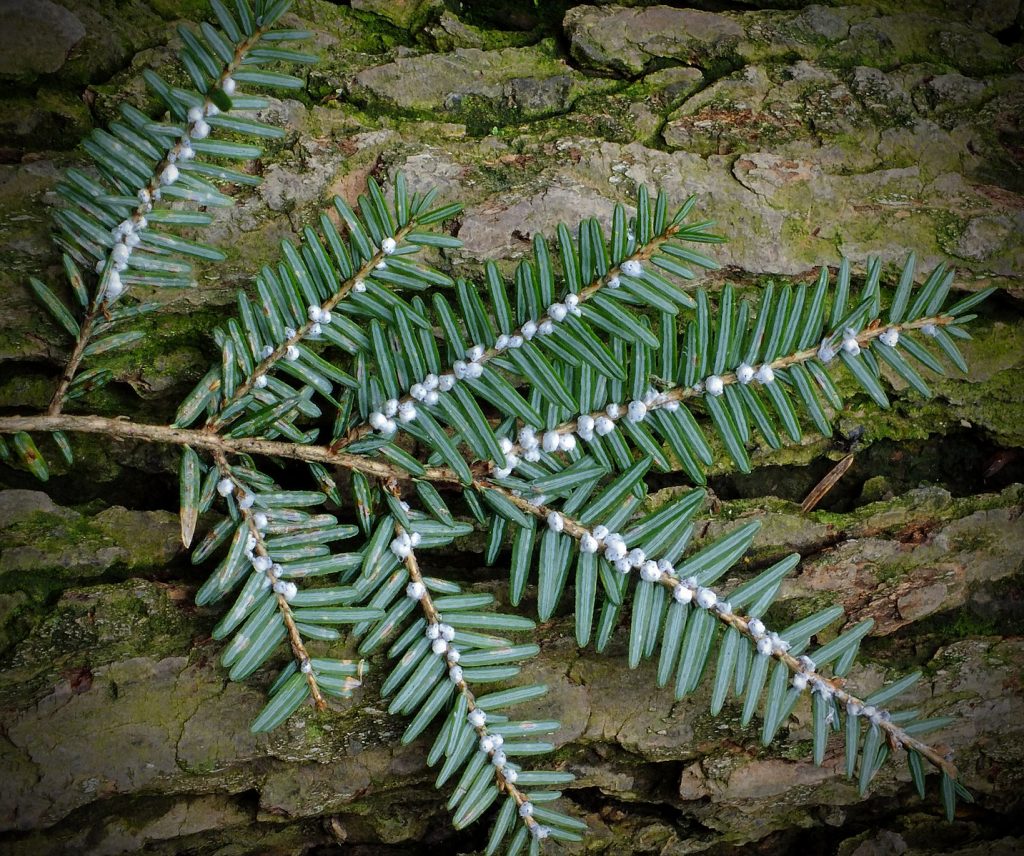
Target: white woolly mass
[[115, 288], [225, 486], [636, 411], [765, 374], [388, 246], [890, 338], [682, 594], [706, 598], [650, 571], [286, 589], [415, 590], [714, 385], [632, 267], [401, 546], [614, 550]]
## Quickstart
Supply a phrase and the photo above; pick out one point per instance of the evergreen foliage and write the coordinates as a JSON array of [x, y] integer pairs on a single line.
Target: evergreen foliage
[[534, 408]]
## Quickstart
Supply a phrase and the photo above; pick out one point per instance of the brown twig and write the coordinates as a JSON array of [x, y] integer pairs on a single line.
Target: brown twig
[[294, 637], [216, 421], [433, 616], [98, 304], [681, 393], [648, 250]]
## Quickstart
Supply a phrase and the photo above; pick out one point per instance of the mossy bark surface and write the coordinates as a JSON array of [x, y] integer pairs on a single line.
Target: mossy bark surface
[[807, 132]]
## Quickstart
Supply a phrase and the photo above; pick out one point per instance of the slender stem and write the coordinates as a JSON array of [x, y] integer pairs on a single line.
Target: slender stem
[[285, 608], [216, 421], [681, 393], [77, 353], [643, 254], [205, 440], [433, 616], [897, 736], [202, 439], [98, 304]]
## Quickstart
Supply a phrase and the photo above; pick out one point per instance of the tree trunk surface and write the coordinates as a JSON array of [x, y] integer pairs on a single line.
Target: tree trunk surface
[[807, 133]]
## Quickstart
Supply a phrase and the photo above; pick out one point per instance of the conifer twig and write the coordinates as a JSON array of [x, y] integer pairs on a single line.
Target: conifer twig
[[98, 303], [283, 606]]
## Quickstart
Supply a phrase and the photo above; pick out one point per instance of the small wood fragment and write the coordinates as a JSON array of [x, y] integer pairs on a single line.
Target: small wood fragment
[[822, 488]]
